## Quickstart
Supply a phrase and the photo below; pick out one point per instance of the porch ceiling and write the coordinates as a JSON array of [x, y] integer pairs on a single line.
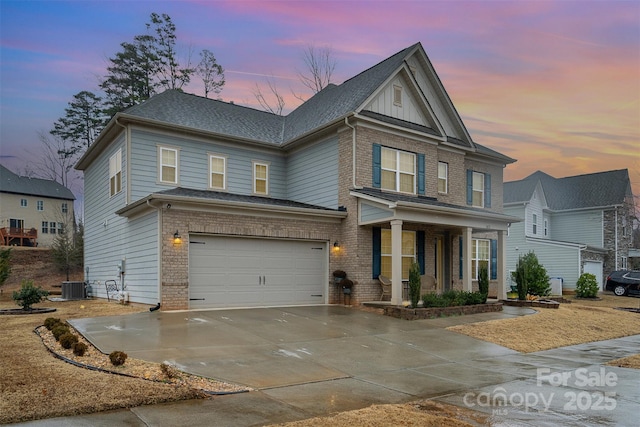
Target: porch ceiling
[[425, 210]]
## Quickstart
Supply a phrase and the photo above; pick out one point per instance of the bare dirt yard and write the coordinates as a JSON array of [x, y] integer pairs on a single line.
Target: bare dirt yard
[[36, 385]]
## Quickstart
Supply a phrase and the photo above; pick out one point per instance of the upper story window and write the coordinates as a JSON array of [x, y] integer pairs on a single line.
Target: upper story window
[[408, 252], [398, 170], [260, 178], [217, 172], [397, 95], [65, 208], [443, 177], [115, 173], [534, 223], [478, 189], [168, 165], [23, 203], [40, 205], [546, 227]]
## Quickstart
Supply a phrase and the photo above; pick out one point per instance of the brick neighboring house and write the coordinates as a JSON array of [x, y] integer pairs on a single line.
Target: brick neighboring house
[[213, 204], [32, 210], [577, 224]]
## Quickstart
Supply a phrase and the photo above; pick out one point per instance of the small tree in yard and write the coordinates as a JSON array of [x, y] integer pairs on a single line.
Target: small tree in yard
[[29, 295], [414, 284], [483, 282], [5, 265], [68, 248], [531, 277], [587, 286]]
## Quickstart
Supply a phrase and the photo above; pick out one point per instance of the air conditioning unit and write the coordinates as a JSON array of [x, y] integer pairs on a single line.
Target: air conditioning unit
[[73, 290]]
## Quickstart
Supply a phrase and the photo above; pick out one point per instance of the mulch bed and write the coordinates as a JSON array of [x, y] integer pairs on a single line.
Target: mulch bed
[[19, 311]]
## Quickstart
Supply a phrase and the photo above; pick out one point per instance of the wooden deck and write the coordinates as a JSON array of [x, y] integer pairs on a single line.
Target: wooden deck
[[14, 236]]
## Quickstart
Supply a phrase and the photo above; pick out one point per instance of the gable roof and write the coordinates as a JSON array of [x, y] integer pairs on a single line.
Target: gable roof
[[598, 189], [13, 183]]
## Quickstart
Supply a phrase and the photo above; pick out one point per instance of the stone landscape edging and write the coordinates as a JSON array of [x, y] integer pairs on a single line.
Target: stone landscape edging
[[433, 312]]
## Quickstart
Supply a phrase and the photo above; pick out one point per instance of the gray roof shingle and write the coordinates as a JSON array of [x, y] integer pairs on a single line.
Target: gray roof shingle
[[598, 189], [13, 183]]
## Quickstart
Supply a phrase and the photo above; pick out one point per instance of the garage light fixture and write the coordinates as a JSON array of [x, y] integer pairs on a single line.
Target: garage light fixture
[[336, 246], [176, 238]]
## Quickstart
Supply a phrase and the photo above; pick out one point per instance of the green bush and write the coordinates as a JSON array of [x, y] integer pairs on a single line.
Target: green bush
[[453, 298], [483, 282], [29, 295], [50, 322], [414, 283], [433, 300], [531, 277], [587, 286], [79, 348], [117, 358], [59, 330], [67, 340]]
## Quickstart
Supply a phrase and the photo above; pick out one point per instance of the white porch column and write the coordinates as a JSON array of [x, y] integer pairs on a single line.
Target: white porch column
[[396, 262], [502, 265], [467, 256]]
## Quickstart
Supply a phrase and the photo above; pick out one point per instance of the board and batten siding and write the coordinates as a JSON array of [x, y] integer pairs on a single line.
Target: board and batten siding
[[104, 231], [194, 165], [408, 109], [313, 174], [580, 227]]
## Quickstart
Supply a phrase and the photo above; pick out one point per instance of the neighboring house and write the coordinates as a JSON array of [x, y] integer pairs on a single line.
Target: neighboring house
[[32, 210], [212, 204], [578, 224]]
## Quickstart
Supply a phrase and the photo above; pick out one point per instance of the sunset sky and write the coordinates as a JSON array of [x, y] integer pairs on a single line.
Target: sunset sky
[[554, 84]]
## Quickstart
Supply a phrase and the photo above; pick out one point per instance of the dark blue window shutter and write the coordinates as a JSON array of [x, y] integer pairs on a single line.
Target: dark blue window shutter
[[461, 256], [487, 190], [377, 166], [376, 262], [494, 259], [469, 187], [420, 251], [421, 174]]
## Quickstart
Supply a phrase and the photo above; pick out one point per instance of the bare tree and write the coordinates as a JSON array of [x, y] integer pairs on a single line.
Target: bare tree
[[276, 104], [320, 64], [56, 159], [211, 73]]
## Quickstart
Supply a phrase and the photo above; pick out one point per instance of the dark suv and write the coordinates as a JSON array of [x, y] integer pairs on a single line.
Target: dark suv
[[624, 282]]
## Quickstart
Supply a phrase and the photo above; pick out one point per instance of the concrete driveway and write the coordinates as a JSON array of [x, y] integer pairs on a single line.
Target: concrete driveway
[[309, 361]]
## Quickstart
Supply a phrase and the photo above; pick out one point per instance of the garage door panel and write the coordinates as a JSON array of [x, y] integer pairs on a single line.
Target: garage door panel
[[246, 272]]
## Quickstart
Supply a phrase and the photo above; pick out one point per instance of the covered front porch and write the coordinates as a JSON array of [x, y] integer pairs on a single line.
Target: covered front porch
[[449, 242]]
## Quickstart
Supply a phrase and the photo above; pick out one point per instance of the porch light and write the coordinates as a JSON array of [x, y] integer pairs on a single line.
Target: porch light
[[336, 246], [176, 238]]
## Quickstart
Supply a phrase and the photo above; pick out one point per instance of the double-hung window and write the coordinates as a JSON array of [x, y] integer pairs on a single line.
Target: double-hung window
[[23, 203], [65, 208], [480, 251], [408, 252], [168, 165], [478, 189], [534, 224], [115, 173], [443, 177], [260, 178], [40, 205], [217, 172], [398, 169], [52, 227], [45, 227]]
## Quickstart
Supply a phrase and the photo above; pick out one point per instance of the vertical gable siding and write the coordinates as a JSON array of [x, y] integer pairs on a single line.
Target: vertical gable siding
[[313, 174], [194, 165], [534, 207], [409, 111], [580, 227]]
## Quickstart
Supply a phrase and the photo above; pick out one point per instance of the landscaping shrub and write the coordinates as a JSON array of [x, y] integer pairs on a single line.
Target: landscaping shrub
[[117, 358], [79, 348], [29, 295], [531, 277], [169, 370], [433, 300], [51, 322], [59, 330], [414, 283], [453, 298], [67, 340], [587, 286], [483, 282]]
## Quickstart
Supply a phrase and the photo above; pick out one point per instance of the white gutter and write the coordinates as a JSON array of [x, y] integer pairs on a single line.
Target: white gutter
[[353, 151]]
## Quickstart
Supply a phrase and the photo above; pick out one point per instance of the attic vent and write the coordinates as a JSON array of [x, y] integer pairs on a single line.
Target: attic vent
[[397, 95]]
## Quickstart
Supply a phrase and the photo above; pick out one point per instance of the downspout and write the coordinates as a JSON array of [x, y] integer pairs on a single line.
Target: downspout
[[353, 152], [616, 239]]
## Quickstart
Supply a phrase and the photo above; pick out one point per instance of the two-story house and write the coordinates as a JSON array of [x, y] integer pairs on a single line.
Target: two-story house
[[33, 211], [578, 224], [212, 204]]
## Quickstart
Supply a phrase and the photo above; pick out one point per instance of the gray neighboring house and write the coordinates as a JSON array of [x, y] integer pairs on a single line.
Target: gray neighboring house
[[206, 204], [578, 224], [32, 210]]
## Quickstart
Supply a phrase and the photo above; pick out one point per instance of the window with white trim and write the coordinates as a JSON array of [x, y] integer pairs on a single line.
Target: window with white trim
[[398, 170], [534, 223], [40, 205], [115, 173], [443, 177], [408, 252], [65, 208], [52, 227], [45, 227], [217, 172], [546, 227], [480, 253], [478, 189], [60, 228], [168, 165], [397, 95], [260, 178], [23, 203]]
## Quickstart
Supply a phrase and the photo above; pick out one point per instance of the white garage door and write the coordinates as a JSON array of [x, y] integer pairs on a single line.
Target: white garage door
[[244, 272], [595, 268]]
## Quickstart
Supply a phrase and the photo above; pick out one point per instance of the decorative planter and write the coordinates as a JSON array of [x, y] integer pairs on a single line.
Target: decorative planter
[[346, 291], [337, 280]]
